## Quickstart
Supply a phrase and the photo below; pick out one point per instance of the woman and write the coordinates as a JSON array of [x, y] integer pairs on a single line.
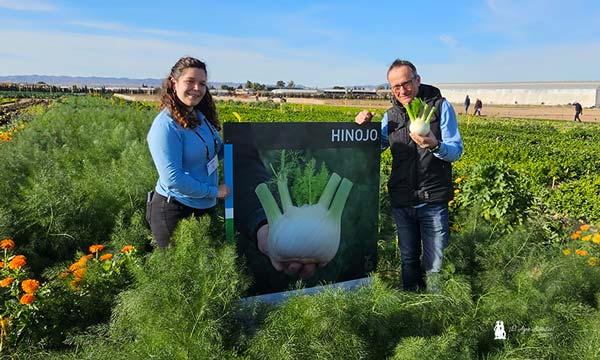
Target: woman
[[186, 149]]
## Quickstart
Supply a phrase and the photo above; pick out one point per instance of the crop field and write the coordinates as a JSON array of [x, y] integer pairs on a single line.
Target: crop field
[[80, 278]]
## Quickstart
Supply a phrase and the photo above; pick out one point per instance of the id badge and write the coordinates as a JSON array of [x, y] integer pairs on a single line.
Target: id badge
[[212, 165]]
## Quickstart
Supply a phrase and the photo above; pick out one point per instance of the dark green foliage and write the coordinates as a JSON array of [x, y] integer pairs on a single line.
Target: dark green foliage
[[319, 327], [521, 279], [266, 112], [559, 159], [440, 347], [501, 193], [309, 182], [183, 298], [70, 172], [305, 179], [578, 199]]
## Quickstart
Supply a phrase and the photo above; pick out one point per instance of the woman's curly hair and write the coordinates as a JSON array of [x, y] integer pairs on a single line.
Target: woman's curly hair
[[178, 110]]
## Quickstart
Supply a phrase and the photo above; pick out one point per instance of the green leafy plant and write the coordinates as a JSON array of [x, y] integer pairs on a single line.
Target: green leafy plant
[[420, 115], [499, 192]]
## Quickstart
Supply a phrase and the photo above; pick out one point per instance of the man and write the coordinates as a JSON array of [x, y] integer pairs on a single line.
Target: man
[[467, 103], [578, 111], [420, 183]]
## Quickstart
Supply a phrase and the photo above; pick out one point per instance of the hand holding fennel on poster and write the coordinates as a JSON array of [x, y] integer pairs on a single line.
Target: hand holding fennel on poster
[[299, 238]]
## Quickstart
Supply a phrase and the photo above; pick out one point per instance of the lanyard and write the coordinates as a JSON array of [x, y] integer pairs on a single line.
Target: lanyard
[[216, 144]]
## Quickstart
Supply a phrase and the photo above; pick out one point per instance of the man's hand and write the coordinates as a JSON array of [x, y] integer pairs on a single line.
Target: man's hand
[[364, 116], [428, 141], [304, 271]]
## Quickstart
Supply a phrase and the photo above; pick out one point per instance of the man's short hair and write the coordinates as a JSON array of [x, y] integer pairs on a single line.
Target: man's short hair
[[400, 62]]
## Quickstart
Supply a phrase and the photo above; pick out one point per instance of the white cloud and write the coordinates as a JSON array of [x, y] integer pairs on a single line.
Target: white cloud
[[266, 60], [61, 53], [161, 32], [109, 26], [31, 5], [201, 39], [520, 19], [448, 40]]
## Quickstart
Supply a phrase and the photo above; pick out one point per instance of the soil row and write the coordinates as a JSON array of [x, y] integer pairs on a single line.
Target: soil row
[[9, 112]]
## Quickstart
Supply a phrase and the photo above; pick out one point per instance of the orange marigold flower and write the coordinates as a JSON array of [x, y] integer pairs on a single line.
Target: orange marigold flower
[[79, 273], [78, 265], [106, 257], [584, 227], [593, 261], [582, 252], [586, 238], [17, 262], [6, 282], [596, 238], [127, 248], [1, 264], [27, 299], [30, 286], [63, 275], [7, 244], [567, 252], [456, 191], [96, 248], [574, 236]]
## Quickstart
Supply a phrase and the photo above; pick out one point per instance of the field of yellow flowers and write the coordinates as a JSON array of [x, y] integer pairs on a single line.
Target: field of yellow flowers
[[79, 277]]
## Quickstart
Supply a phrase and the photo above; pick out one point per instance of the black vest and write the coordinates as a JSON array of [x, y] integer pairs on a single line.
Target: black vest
[[417, 176]]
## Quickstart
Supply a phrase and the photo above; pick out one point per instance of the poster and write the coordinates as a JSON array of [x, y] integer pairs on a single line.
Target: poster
[[317, 185]]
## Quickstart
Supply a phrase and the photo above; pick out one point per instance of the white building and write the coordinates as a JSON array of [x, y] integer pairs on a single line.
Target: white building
[[587, 93], [295, 92]]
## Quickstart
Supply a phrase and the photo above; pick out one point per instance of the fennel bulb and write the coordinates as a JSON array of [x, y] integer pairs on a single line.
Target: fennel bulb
[[419, 120], [307, 233]]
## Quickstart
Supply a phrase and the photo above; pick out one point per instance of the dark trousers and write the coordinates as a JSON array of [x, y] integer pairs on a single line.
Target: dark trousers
[[577, 117], [164, 214]]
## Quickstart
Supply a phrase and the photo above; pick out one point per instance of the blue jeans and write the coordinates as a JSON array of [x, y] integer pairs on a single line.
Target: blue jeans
[[422, 237]]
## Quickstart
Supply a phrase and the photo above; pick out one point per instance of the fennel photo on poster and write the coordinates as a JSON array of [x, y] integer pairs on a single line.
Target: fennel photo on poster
[[318, 185]]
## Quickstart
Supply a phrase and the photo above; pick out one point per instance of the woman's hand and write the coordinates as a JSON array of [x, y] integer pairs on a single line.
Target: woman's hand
[[223, 191]]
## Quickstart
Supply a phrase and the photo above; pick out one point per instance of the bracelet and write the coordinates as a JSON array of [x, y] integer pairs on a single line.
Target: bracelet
[[436, 148]]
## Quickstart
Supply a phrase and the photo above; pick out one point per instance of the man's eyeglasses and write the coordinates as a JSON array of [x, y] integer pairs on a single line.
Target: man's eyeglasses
[[407, 85]]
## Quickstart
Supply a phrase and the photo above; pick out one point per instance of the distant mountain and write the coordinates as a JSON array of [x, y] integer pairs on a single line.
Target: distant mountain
[[80, 80], [94, 81]]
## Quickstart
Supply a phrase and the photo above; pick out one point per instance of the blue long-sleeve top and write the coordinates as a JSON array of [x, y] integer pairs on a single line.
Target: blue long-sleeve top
[[451, 145], [181, 156]]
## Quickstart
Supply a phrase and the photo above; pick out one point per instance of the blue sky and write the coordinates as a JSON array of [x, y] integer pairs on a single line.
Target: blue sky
[[314, 43]]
